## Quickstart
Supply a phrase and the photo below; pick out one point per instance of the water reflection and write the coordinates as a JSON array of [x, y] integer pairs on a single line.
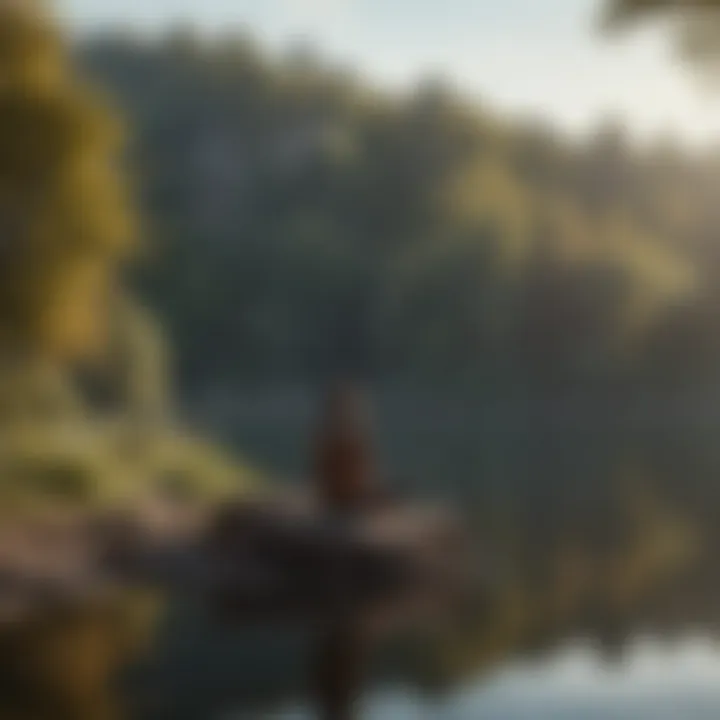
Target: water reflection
[[655, 681], [604, 533], [591, 523]]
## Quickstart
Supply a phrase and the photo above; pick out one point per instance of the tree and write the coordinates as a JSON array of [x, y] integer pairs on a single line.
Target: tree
[[697, 24], [65, 221]]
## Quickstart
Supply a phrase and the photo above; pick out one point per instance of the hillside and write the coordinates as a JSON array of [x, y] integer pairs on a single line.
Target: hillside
[[304, 223]]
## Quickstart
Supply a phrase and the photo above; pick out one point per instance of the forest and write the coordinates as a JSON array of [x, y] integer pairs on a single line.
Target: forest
[[304, 223], [538, 313]]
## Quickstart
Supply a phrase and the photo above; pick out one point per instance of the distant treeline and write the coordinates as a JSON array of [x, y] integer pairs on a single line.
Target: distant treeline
[[303, 223]]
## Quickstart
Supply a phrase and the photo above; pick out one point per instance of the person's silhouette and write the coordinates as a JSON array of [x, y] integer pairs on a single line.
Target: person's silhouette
[[346, 474]]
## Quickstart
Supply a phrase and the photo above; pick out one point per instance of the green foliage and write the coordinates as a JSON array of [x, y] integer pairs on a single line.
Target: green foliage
[[308, 224], [623, 10], [63, 206], [84, 391], [696, 22]]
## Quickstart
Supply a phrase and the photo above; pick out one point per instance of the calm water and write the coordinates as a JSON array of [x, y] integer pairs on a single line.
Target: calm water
[[654, 682], [600, 525], [539, 482]]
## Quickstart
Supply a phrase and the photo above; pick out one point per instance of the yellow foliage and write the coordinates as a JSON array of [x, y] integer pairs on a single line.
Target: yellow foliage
[[31, 51], [63, 205]]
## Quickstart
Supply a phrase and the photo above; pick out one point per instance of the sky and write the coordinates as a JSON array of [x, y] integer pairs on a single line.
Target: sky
[[528, 57]]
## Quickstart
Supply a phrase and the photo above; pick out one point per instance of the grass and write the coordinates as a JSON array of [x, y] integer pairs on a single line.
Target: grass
[[99, 466]]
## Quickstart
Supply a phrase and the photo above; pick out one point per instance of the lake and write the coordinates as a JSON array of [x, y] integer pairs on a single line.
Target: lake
[[590, 520], [588, 509], [653, 682]]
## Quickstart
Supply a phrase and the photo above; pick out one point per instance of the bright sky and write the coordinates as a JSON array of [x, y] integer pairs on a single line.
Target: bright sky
[[539, 56]]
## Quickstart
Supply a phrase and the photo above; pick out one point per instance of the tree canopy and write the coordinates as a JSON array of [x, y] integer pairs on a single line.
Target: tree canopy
[[306, 223], [64, 213], [696, 24]]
